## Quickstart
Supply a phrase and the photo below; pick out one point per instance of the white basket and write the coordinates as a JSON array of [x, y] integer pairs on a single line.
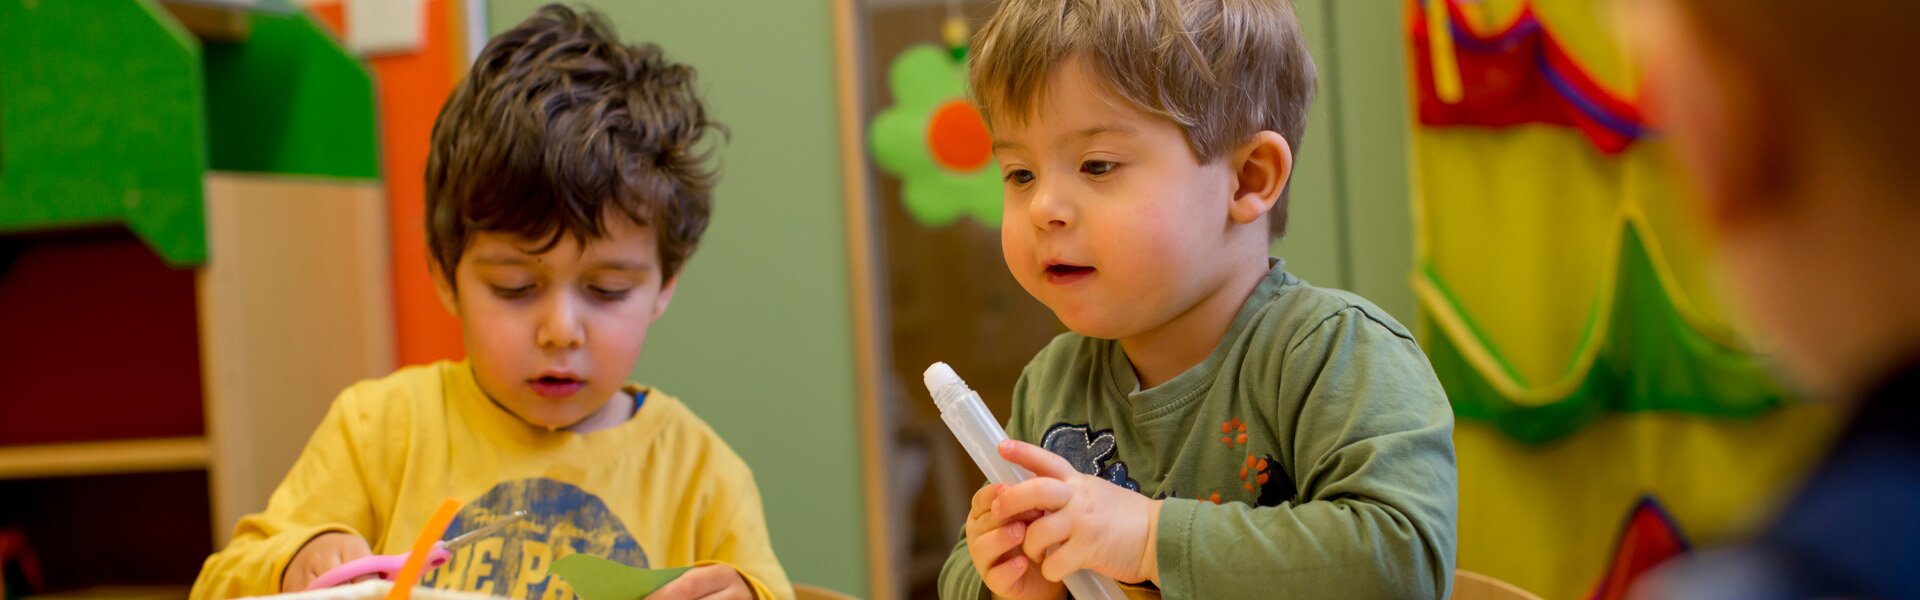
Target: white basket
[[376, 590]]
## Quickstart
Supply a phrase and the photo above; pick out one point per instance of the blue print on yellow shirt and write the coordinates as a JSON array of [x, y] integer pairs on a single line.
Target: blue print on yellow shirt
[[561, 519]]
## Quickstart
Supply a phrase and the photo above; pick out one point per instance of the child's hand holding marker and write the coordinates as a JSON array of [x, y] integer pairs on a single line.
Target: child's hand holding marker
[[1084, 522], [994, 543]]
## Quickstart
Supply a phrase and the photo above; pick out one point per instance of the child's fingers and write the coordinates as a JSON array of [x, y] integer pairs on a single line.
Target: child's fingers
[[1038, 494], [699, 582], [319, 555], [1036, 459], [983, 499], [294, 580], [982, 520], [347, 548], [995, 543], [1045, 535], [674, 590], [1063, 560], [1006, 575], [298, 580], [721, 581]]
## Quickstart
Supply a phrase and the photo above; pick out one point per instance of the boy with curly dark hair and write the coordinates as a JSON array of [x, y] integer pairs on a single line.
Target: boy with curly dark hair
[[567, 186]]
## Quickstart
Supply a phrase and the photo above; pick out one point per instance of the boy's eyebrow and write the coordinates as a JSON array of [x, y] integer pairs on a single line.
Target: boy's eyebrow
[[624, 265], [518, 261], [502, 260], [1096, 130], [1101, 129]]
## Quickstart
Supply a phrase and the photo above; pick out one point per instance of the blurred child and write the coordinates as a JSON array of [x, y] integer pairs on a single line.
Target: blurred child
[[1796, 121], [566, 188], [1212, 427]]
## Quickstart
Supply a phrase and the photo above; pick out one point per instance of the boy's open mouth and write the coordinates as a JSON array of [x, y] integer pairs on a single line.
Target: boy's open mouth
[[1062, 273], [556, 386]]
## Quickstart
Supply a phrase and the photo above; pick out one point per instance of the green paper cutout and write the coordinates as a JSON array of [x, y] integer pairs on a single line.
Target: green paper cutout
[[595, 578], [923, 78]]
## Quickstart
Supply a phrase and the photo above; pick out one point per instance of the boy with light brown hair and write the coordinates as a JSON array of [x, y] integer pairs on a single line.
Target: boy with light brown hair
[[1212, 426]]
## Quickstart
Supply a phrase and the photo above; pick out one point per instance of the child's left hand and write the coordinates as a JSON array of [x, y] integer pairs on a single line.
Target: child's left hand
[[707, 582], [1090, 522]]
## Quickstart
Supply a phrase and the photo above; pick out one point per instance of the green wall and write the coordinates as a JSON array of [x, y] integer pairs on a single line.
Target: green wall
[[1351, 222], [1372, 115], [1314, 246], [759, 339]]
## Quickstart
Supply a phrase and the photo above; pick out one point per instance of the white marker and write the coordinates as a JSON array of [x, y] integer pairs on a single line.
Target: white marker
[[981, 435]]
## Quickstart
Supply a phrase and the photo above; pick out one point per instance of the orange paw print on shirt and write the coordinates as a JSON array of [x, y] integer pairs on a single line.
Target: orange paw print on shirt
[[1214, 498], [1253, 473], [1233, 432]]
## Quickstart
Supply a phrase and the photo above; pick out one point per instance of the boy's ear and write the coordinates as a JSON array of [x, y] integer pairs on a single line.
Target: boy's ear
[[661, 301], [1262, 167], [443, 286]]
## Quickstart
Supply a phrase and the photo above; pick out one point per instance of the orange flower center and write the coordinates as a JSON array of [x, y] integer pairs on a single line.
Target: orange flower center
[[958, 137]]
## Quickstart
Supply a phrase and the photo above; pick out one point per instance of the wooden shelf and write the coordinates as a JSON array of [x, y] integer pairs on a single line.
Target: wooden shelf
[[119, 592], [212, 22], [103, 458]]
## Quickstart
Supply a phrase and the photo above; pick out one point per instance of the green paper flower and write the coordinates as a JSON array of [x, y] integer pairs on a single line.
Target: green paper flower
[[936, 142]]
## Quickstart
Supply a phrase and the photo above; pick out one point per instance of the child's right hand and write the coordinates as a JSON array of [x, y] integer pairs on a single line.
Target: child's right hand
[[322, 554], [994, 545]]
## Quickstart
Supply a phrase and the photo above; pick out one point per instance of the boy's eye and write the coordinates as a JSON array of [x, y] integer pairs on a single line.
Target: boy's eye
[[1020, 176], [1098, 167], [511, 292], [608, 294]]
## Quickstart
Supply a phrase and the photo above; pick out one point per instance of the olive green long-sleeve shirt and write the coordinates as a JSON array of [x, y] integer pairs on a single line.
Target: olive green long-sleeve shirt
[[1309, 456]]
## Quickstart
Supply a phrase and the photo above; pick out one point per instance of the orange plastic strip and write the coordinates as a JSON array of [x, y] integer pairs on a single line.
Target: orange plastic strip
[[422, 546]]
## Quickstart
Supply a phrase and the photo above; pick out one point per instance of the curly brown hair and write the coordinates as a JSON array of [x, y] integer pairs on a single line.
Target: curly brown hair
[[559, 124]]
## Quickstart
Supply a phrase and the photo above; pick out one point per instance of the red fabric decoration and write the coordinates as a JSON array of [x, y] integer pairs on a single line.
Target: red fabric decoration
[[1518, 76], [1649, 538]]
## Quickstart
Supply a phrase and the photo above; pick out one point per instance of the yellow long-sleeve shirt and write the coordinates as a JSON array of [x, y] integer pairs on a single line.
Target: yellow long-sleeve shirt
[[660, 490]]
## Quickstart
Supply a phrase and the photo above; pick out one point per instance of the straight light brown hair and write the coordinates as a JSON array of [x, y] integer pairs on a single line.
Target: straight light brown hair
[[1222, 70]]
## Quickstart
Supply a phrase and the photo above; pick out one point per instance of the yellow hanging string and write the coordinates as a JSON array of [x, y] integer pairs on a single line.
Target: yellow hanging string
[[1446, 64]]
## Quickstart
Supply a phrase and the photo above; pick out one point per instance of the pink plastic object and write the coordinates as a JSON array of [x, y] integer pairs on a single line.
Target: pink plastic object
[[384, 566]]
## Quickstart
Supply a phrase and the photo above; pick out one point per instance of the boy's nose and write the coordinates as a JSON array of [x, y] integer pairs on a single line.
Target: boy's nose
[[1049, 209], [560, 325]]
